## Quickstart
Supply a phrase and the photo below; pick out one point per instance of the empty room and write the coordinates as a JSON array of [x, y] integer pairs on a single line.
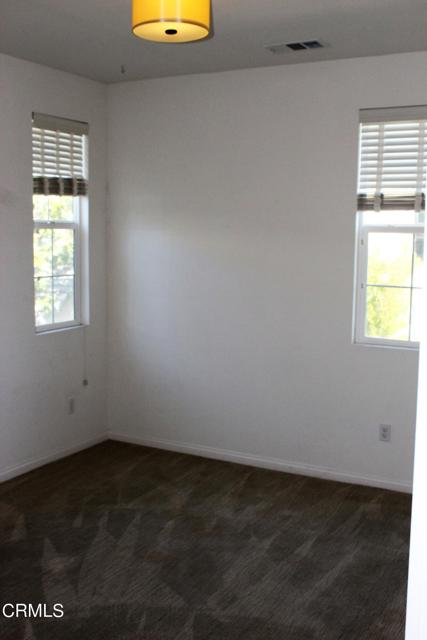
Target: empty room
[[213, 377]]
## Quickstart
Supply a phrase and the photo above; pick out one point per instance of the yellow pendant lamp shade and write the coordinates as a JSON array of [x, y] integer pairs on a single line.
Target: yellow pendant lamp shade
[[171, 20]]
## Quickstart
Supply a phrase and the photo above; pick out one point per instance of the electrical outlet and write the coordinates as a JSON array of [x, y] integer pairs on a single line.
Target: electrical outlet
[[385, 432], [71, 406]]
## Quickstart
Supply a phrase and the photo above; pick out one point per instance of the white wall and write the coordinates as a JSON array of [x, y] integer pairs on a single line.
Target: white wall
[[38, 373], [231, 269], [417, 591], [416, 623]]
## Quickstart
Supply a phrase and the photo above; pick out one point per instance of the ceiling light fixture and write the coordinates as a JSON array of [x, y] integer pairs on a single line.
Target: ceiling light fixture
[[171, 20]]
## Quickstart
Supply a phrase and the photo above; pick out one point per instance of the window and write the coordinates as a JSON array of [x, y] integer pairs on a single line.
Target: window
[[59, 202], [390, 227]]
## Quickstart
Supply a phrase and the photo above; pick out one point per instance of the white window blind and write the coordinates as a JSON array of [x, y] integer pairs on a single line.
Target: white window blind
[[393, 162], [59, 156]]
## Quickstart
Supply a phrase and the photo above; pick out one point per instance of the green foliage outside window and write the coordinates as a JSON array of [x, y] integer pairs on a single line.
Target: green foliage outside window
[[395, 263], [53, 261]]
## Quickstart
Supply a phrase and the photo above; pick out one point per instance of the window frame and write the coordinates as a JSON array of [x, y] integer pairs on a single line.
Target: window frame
[[75, 226], [362, 234]]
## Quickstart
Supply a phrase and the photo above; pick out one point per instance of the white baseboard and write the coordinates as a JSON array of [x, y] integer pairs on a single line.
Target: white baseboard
[[252, 460], [204, 451], [24, 467]]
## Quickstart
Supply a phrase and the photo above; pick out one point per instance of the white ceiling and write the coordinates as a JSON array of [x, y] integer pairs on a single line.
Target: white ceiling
[[93, 37]]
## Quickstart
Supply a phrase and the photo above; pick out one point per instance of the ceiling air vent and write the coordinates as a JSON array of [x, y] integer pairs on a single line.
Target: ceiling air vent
[[295, 46], [313, 44]]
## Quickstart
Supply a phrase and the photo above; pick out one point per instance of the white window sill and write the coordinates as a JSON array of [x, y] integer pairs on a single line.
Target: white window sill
[[71, 327], [394, 346]]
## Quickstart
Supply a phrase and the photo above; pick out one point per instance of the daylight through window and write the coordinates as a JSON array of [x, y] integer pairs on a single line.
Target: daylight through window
[[391, 204], [59, 192]]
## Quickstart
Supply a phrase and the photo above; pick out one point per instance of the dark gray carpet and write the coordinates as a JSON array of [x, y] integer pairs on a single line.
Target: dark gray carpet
[[140, 544]]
